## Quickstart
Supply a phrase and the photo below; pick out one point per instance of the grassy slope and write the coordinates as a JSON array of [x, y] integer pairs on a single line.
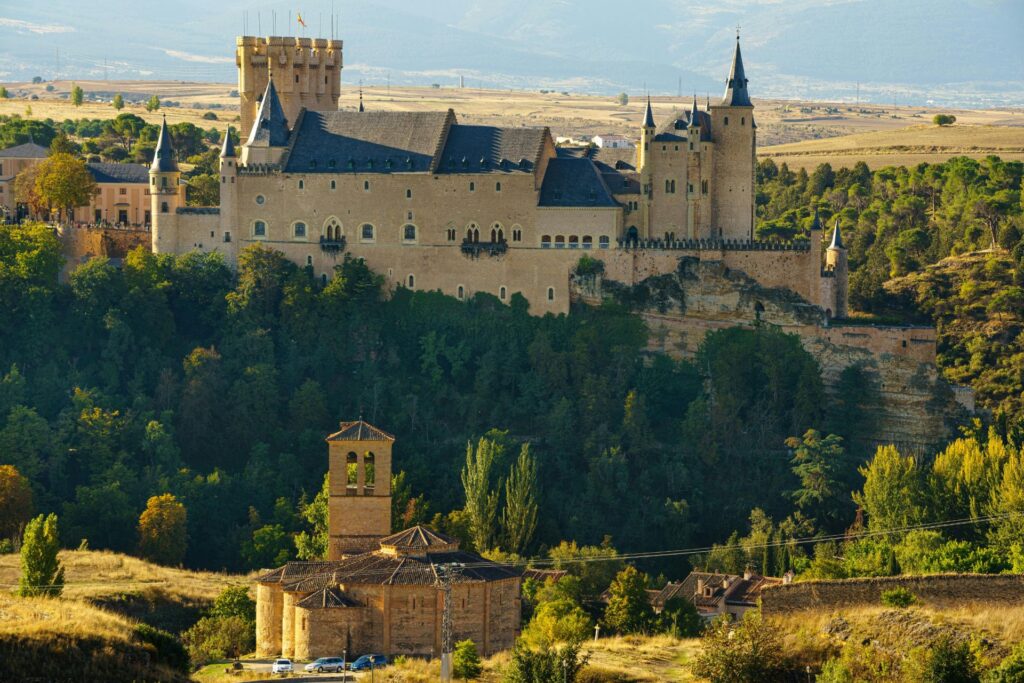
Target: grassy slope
[[165, 597], [50, 639]]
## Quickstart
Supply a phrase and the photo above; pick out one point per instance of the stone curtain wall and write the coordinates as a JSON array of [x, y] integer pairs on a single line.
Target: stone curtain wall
[[937, 590], [81, 244]]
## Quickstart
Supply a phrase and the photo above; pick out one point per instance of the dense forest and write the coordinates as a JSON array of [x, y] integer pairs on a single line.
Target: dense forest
[[177, 375]]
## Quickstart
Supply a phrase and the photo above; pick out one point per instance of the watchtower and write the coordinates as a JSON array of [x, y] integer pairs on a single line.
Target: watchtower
[[359, 508], [732, 122], [306, 71]]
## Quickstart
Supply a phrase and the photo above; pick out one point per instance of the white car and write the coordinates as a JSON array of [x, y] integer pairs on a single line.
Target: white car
[[282, 666]]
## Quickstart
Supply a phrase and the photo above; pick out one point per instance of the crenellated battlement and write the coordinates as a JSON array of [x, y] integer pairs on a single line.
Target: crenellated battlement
[[306, 73]]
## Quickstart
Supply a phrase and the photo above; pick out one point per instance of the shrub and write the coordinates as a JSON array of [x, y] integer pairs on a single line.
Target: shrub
[[6, 546], [547, 665], [1010, 670], [588, 265], [898, 597], [210, 116], [748, 651], [466, 661], [213, 638], [679, 618], [943, 119], [593, 674], [164, 647], [629, 609], [950, 662]]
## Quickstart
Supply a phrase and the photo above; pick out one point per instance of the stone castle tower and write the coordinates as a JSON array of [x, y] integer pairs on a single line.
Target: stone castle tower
[[306, 71], [167, 194], [836, 263], [359, 508], [732, 197]]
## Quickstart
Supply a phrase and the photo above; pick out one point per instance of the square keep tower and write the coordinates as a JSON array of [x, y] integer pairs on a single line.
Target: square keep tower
[[359, 508]]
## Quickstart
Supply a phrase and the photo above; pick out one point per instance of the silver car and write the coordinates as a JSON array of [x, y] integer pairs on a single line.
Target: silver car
[[334, 664]]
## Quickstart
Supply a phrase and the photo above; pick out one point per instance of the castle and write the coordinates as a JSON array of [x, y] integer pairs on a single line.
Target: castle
[[434, 204]]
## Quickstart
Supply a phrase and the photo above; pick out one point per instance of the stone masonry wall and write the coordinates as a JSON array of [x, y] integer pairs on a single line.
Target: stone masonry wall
[[939, 590], [82, 244]]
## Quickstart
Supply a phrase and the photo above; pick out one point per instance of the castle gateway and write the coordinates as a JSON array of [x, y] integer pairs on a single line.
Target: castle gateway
[[434, 204]]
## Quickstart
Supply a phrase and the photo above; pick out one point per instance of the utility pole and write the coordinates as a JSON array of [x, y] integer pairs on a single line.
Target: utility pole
[[446, 574]]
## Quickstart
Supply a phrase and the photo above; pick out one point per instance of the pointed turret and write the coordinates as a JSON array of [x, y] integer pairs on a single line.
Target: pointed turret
[[163, 158], [649, 115], [694, 115], [736, 94], [837, 238], [816, 223], [270, 127], [227, 151], [361, 100]]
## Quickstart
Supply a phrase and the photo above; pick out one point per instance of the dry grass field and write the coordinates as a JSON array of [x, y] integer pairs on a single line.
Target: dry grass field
[[96, 575], [801, 133]]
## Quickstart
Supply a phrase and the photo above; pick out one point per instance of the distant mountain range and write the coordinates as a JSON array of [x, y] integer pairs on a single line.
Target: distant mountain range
[[951, 52]]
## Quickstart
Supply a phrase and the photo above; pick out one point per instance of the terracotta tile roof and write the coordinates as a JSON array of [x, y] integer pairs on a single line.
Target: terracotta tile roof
[[543, 575], [326, 599], [748, 591], [419, 538], [293, 570], [359, 431]]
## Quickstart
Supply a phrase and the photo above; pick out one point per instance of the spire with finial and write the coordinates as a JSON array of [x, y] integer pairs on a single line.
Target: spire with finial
[[736, 94], [649, 115], [816, 223], [227, 150], [694, 115], [361, 100], [270, 126], [163, 157], [837, 238]]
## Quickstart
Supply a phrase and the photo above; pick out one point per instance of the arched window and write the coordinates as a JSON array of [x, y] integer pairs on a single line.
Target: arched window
[[408, 193], [412, 282], [332, 229], [588, 241], [501, 235], [517, 233], [632, 235], [164, 208], [603, 241], [497, 186], [743, 120], [461, 292], [369, 473], [494, 235], [476, 234], [551, 293], [302, 184], [559, 242], [574, 242], [299, 230], [502, 293], [334, 184], [259, 229], [366, 185], [545, 242], [351, 473], [409, 233], [367, 232]]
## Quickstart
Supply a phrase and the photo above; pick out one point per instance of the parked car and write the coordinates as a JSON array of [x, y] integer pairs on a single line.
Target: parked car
[[282, 666], [365, 662], [323, 664]]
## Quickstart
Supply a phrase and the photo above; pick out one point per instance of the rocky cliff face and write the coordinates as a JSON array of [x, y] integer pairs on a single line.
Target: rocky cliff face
[[916, 410]]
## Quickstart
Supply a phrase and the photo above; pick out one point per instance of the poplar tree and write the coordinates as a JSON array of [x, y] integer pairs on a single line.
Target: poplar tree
[[118, 102], [481, 501], [77, 95], [519, 518], [41, 573]]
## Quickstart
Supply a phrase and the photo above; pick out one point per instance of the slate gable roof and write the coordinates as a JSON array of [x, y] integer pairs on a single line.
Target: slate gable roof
[[359, 431], [26, 150], [326, 599], [488, 149], [367, 142], [270, 126], [118, 173], [574, 182]]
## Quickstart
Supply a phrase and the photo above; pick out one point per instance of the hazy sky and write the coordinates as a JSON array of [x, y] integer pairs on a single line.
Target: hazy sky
[[912, 49]]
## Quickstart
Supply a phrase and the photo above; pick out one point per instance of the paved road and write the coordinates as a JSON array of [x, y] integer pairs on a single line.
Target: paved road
[[265, 665]]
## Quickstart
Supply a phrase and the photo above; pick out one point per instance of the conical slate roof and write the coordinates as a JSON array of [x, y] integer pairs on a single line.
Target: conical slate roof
[[649, 115], [227, 151], [359, 431], [270, 127], [816, 223], [163, 158], [837, 238], [736, 94], [694, 114]]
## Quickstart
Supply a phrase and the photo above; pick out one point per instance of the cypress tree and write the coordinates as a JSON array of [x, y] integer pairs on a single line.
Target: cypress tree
[[41, 573]]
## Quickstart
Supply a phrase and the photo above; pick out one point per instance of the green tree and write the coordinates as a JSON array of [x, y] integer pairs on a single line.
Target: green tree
[[892, 492], [742, 653], [547, 665], [596, 570], [214, 638], [481, 501], [234, 601], [204, 190], [163, 526], [680, 618], [629, 609], [64, 182], [269, 546], [943, 119], [125, 129], [118, 102], [15, 502], [3, 93], [311, 544], [77, 95], [622, 99], [519, 517], [153, 103], [817, 462], [41, 572], [466, 661]]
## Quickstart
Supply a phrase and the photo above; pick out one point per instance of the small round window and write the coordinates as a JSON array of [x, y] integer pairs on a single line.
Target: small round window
[[260, 199]]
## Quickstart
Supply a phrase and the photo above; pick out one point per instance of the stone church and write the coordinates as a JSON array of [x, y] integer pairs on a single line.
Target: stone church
[[379, 592], [434, 204]]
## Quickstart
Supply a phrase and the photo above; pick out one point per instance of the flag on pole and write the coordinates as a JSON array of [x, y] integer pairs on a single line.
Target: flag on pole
[[301, 21]]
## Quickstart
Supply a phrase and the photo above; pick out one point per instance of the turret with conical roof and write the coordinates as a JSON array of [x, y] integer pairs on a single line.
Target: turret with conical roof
[[836, 262], [166, 194], [736, 94], [227, 150], [837, 238], [268, 138], [229, 194], [816, 223], [644, 165], [649, 114]]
